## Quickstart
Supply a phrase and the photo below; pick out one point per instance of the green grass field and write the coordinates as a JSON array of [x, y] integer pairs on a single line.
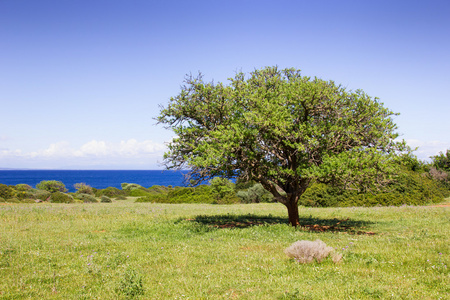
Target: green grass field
[[124, 249]]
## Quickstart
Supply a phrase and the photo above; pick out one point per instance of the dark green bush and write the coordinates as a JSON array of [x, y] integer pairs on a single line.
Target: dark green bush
[[153, 198], [131, 186], [159, 189], [161, 194], [23, 187], [244, 185], [51, 186], [222, 188], [110, 192], [255, 194], [411, 188], [25, 194], [137, 193], [86, 198], [41, 194], [58, 197], [6, 191], [442, 161], [83, 188], [105, 199]]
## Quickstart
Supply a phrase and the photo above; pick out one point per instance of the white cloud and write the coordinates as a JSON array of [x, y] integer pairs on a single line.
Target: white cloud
[[60, 149], [129, 148], [427, 148], [95, 148], [93, 153]]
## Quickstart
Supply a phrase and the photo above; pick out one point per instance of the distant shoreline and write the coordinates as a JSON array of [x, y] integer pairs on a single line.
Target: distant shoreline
[[99, 179]]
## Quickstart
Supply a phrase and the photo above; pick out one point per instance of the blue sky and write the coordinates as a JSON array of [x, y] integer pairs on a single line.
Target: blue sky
[[81, 81]]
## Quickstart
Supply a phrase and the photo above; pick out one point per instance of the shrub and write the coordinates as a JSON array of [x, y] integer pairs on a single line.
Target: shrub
[[410, 187], [255, 194], [442, 161], [83, 188], [222, 187], [58, 197], [23, 187], [307, 251], [41, 194], [161, 189], [24, 194], [137, 193], [110, 192], [198, 194], [12, 200], [228, 199], [121, 198], [51, 186], [244, 185], [6, 191], [412, 163], [131, 186], [86, 198], [153, 198], [105, 199], [2, 199]]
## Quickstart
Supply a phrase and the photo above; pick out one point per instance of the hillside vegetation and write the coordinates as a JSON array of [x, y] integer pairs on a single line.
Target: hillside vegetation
[[418, 183]]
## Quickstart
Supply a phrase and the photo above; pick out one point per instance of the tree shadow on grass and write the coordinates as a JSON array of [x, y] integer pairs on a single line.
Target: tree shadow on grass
[[307, 223]]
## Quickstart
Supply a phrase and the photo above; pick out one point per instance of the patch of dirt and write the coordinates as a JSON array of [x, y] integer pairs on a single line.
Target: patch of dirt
[[336, 227]]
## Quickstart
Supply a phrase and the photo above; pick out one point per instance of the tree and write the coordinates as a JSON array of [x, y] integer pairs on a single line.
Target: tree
[[51, 186], [283, 130], [83, 188], [222, 187], [442, 161]]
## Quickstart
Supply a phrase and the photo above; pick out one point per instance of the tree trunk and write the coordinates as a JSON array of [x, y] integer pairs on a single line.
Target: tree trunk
[[292, 207]]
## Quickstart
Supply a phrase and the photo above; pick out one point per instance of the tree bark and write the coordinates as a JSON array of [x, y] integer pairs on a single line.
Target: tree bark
[[292, 207]]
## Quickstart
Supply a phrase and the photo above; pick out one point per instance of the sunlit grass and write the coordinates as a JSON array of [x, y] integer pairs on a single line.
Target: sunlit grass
[[88, 251]]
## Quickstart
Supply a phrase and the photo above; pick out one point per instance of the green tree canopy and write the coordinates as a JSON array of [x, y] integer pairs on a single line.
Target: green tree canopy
[[442, 161], [283, 130]]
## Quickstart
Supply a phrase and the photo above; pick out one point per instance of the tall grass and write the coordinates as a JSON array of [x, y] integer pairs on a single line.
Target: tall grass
[[125, 250]]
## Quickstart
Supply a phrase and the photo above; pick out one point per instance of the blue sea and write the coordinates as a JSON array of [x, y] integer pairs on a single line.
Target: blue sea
[[96, 179]]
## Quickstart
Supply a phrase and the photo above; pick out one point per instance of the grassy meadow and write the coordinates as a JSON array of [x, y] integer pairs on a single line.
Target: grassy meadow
[[125, 250]]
